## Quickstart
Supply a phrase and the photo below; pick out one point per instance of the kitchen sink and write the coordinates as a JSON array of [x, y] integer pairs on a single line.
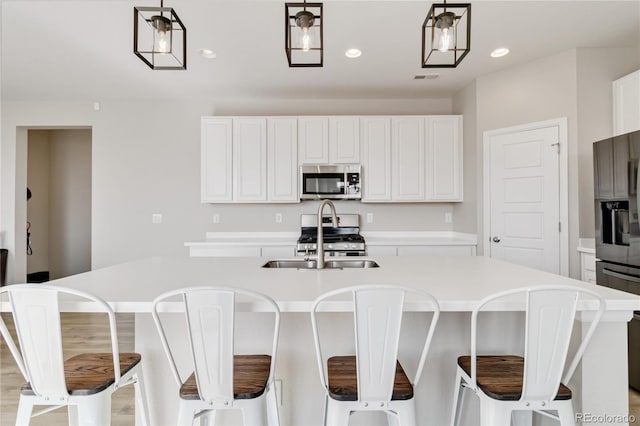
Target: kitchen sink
[[329, 264]]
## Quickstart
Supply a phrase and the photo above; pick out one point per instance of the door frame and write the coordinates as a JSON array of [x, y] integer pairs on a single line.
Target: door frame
[[561, 124]]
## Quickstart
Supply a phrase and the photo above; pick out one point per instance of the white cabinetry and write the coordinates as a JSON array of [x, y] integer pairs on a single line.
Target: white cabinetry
[[376, 158], [313, 140], [282, 152], [444, 158], [241, 162], [424, 250], [588, 267], [407, 159], [328, 140], [216, 160], [250, 159], [626, 104], [344, 140]]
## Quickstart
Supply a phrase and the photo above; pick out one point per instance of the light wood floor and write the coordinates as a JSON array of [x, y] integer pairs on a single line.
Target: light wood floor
[[90, 333], [81, 333]]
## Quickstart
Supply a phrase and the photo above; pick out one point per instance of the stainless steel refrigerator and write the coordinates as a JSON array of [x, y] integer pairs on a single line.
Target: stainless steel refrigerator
[[617, 232]]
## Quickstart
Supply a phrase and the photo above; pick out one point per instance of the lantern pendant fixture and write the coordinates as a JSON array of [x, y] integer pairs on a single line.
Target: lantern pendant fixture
[[446, 35], [303, 34], [159, 38]]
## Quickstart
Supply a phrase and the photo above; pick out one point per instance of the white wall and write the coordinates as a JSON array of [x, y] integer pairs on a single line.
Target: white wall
[[596, 69], [465, 214]]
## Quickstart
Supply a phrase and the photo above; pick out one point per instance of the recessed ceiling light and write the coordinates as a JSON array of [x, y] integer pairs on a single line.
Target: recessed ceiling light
[[353, 53], [207, 53], [502, 51]]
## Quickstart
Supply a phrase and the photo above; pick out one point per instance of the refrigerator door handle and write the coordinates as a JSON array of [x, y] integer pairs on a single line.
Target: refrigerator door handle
[[621, 276]]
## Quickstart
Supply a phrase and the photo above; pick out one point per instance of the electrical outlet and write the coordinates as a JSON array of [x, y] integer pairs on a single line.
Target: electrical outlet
[[278, 217], [156, 218], [448, 217], [216, 218], [278, 384], [369, 217]]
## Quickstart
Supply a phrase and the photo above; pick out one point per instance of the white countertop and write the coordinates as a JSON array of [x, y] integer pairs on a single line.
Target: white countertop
[[374, 238], [457, 282]]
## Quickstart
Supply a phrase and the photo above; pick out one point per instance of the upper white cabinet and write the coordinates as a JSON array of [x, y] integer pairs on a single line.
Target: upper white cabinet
[[626, 104], [243, 162], [407, 159], [313, 140], [216, 160], [444, 158], [282, 152], [344, 140], [376, 158], [250, 159], [328, 140]]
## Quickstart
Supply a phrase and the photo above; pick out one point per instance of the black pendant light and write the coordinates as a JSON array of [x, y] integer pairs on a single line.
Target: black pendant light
[[446, 35], [159, 38], [303, 34]]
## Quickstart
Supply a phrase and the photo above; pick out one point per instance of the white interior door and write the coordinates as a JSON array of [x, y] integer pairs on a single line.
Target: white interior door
[[524, 197]]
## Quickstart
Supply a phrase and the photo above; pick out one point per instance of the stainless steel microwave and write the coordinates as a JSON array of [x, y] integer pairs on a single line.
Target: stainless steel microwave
[[333, 181]]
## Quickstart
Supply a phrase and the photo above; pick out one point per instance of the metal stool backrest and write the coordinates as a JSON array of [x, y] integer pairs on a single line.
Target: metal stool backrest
[[210, 315], [36, 315], [550, 315], [378, 313]]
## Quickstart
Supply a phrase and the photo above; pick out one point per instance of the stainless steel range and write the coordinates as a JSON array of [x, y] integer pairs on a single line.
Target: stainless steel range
[[345, 240]]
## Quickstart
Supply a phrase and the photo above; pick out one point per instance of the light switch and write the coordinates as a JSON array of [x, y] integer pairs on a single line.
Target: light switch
[[216, 218], [448, 217], [369, 217], [156, 218], [278, 217]]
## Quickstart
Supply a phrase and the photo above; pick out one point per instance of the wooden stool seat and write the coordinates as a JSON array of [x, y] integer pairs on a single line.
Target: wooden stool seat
[[250, 375], [91, 373], [343, 380], [500, 376]]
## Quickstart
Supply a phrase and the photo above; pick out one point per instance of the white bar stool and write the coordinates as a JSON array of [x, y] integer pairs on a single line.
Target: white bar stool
[[372, 379], [221, 380], [506, 383], [83, 383]]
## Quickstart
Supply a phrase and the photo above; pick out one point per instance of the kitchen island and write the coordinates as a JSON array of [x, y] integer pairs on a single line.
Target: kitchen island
[[599, 385]]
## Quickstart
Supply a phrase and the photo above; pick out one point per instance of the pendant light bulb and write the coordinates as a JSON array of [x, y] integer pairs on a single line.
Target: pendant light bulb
[[162, 26], [305, 40], [304, 20], [443, 40]]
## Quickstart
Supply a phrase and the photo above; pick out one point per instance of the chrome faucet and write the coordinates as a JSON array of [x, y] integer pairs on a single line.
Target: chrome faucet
[[320, 240]]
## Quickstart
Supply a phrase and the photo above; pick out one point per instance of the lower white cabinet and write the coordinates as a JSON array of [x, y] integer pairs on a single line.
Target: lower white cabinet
[[426, 250], [243, 251], [588, 267]]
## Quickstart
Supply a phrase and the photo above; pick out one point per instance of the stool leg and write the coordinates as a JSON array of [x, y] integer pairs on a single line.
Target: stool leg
[[208, 418], [141, 397], [337, 414], [492, 414], [25, 407], [272, 406], [406, 412], [185, 414], [94, 410], [458, 399], [255, 414], [566, 413], [392, 419]]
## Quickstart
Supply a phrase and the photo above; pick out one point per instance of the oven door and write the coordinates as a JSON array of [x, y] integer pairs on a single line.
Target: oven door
[[323, 185]]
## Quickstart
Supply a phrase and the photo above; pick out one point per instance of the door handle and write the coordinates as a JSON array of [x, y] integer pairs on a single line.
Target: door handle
[[621, 276], [496, 239]]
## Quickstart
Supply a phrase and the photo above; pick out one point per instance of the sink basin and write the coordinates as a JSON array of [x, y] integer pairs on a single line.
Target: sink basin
[[329, 264]]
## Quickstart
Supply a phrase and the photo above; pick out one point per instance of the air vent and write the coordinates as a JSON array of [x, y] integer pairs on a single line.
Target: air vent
[[426, 76]]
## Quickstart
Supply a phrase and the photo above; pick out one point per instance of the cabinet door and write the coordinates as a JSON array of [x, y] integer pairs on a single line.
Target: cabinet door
[[444, 158], [282, 163], [626, 104], [344, 140], [603, 174], [376, 158], [313, 140], [250, 159], [621, 168], [407, 159], [216, 160]]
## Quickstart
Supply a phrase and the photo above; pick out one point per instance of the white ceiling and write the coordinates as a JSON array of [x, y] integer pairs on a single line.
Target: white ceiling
[[82, 49]]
